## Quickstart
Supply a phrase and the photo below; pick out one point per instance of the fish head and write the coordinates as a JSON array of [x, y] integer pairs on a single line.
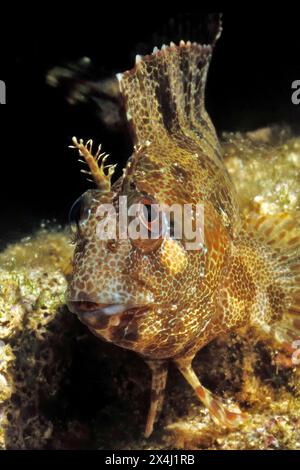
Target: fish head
[[137, 275]]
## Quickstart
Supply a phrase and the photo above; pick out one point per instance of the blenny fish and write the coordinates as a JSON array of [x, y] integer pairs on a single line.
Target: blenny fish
[[154, 296]]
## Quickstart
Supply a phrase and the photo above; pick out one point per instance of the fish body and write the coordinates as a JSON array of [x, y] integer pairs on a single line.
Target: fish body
[[156, 296]]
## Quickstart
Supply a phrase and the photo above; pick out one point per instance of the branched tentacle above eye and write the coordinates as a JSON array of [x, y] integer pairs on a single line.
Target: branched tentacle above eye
[[95, 163]]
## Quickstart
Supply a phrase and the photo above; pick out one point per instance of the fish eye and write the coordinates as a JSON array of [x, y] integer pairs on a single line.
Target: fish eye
[[149, 215], [79, 211], [75, 212], [152, 217], [154, 220]]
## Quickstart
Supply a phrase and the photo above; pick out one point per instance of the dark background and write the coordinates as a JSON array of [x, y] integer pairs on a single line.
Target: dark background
[[249, 86]]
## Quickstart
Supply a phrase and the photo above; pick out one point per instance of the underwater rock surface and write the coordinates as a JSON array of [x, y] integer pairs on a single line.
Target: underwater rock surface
[[62, 388]]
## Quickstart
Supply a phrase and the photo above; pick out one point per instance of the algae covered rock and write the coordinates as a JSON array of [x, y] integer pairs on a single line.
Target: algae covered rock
[[34, 325], [265, 168]]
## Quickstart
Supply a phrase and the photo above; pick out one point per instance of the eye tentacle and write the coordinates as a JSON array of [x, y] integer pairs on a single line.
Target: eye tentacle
[[100, 173]]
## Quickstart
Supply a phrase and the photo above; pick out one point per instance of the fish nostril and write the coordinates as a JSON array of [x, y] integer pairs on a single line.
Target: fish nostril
[[112, 246]]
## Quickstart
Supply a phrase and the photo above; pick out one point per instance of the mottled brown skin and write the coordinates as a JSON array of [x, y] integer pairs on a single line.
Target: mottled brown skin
[[178, 300]]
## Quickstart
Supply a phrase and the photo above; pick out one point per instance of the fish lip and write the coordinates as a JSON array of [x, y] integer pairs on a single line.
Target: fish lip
[[91, 313]]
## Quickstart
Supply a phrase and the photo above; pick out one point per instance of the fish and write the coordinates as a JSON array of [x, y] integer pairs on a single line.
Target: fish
[[154, 295]]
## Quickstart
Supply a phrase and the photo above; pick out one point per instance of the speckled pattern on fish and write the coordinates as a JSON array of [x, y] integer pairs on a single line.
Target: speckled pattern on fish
[[166, 302]]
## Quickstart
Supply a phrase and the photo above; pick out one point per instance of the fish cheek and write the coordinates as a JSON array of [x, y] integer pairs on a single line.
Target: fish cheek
[[173, 257]]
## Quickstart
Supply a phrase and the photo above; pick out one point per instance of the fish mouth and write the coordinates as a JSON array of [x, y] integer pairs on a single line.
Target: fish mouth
[[92, 314]]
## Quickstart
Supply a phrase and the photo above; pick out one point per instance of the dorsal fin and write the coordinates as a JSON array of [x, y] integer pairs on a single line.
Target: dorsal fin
[[164, 94]]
